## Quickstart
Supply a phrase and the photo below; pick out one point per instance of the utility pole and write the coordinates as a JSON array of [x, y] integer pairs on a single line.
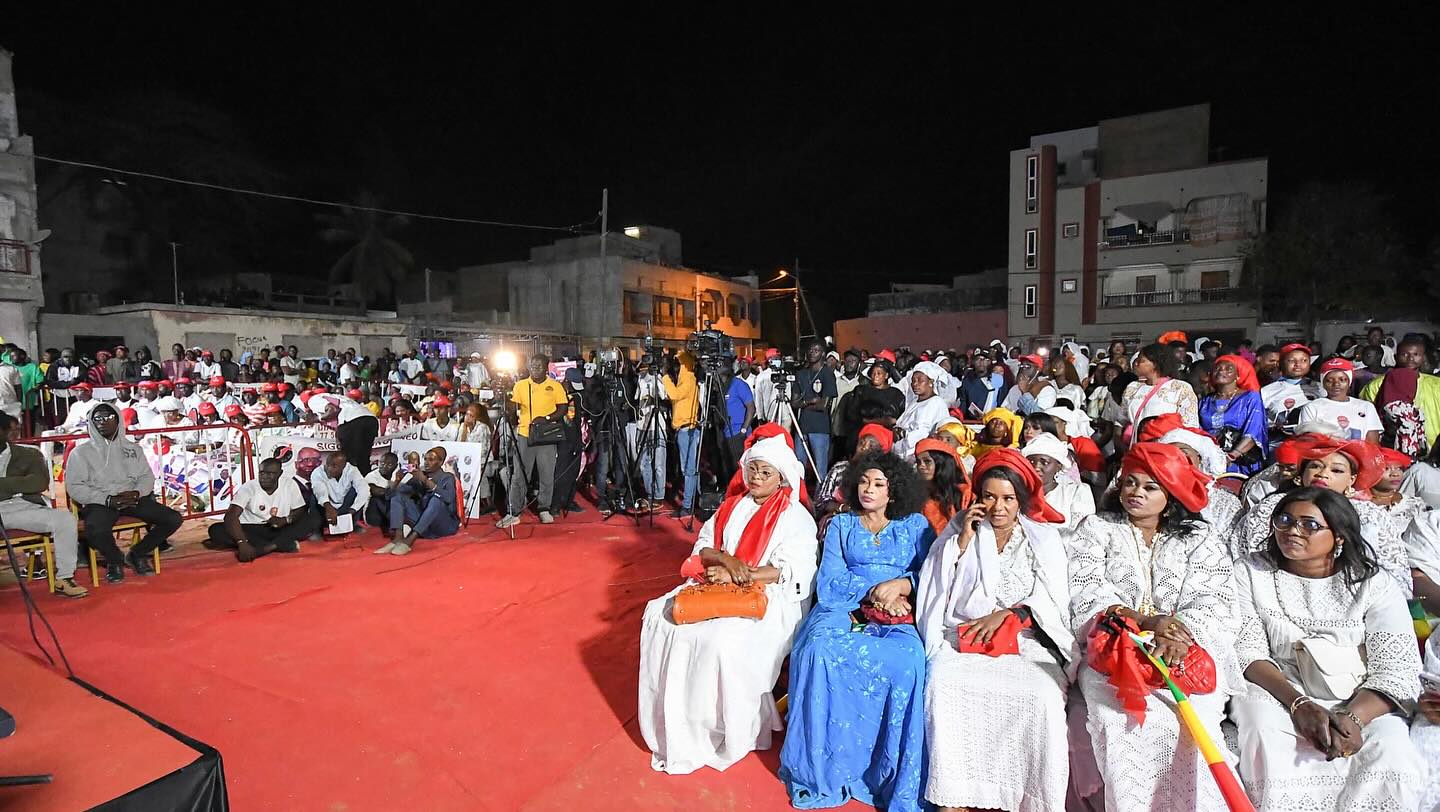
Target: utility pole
[[604, 238], [427, 286], [175, 268], [798, 351], [815, 331]]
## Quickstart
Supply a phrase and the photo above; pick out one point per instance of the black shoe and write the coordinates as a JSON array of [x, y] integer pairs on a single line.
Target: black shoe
[[114, 573], [139, 564], [166, 547], [574, 507]]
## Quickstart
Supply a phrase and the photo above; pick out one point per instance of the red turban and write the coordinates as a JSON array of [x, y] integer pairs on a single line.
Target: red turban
[[1006, 457], [1397, 458], [1173, 335], [1367, 460], [932, 444], [1170, 467], [1160, 425], [1246, 372], [885, 437]]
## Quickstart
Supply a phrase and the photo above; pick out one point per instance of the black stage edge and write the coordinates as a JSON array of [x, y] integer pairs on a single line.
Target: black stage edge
[[197, 787]]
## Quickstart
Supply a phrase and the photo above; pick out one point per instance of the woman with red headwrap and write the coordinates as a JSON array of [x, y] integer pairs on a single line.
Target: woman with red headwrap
[[1147, 558], [1386, 495], [944, 474], [1349, 468], [1234, 415], [830, 497], [705, 688], [995, 723]]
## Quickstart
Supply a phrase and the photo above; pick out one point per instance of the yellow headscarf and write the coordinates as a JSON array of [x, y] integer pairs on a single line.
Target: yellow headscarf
[[1014, 421], [964, 437]]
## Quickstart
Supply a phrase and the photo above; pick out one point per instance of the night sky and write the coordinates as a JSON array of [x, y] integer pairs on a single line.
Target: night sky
[[874, 150]]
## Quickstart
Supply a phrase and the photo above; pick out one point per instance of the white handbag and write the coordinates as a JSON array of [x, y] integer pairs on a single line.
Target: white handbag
[[1330, 671]]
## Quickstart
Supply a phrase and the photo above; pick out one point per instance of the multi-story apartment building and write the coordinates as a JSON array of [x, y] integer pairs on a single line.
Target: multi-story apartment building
[[1127, 230]]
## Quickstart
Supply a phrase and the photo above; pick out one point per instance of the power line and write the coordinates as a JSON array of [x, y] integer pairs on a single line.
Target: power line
[[313, 201]]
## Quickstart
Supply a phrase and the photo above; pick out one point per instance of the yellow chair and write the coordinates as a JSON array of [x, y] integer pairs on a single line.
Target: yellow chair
[[32, 543], [122, 525]]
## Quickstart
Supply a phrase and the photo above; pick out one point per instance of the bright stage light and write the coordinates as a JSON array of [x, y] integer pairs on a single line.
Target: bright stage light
[[505, 361]]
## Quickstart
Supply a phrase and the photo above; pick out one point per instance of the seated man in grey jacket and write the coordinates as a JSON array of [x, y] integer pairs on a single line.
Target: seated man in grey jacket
[[24, 506], [109, 477]]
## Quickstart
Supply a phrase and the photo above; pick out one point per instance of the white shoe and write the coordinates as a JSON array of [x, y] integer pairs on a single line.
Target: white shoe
[[401, 548], [508, 521], [405, 530], [387, 549], [546, 518]]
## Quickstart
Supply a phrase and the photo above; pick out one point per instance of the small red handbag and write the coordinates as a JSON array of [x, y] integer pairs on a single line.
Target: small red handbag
[[1109, 648], [1006, 639], [878, 616]]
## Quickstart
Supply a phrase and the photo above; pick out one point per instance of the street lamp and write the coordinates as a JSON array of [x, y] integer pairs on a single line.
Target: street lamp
[[785, 274]]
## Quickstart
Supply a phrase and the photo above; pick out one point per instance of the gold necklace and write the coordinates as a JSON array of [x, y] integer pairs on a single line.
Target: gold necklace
[[1146, 565], [874, 534]]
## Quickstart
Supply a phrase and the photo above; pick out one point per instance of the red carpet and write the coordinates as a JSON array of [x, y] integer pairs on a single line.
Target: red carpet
[[477, 673]]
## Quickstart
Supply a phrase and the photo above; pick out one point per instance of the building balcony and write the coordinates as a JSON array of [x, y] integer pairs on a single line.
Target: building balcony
[[1139, 240], [1177, 297]]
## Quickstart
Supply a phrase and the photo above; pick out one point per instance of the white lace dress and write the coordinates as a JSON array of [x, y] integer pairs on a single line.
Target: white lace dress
[[1402, 513], [1221, 510], [995, 726], [1424, 734], [1376, 525], [1284, 772], [705, 688], [1173, 395], [1154, 766]]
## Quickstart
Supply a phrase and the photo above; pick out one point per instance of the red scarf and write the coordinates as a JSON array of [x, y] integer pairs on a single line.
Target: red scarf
[[1398, 384], [755, 538]]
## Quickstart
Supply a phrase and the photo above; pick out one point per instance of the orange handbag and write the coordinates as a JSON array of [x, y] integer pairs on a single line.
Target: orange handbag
[[709, 601]]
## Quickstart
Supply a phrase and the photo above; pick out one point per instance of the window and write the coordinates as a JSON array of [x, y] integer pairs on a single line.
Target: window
[[1032, 183], [1068, 286], [637, 307], [1030, 291], [686, 316], [1070, 231], [1210, 280], [1145, 284], [1031, 241], [735, 308], [664, 311]]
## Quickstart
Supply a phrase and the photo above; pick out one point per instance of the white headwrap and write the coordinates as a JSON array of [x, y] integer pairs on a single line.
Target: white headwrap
[[779, 455], [1077, 423], [1422, 544], [169, 403], [1212, 460], [946, 386], [1081, 359], [1199, 342], [1048, 445]]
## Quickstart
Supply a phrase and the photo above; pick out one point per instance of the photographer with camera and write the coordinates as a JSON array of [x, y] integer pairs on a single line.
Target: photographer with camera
[[739, 413], [773, 389], [814, 392], [648, 433], [536, 398], [609, 401], [684, 395]]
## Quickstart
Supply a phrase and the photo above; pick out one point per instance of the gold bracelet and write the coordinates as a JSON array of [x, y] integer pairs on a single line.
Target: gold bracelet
[[1299, 700]]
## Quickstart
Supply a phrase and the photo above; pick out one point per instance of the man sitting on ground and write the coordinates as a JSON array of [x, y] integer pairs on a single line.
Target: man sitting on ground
[[23, 506], [339, 488], [425, 505], [266, 515], [382, 480], [109, 477]]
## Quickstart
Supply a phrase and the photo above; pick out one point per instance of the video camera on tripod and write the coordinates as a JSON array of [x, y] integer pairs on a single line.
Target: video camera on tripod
[[783, 369], [712, 348]]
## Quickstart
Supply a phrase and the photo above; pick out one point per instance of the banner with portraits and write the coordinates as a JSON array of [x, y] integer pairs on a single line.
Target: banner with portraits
[[466, 460]]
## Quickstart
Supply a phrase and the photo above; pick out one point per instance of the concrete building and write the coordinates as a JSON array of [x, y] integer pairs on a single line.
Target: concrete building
[[969, 311], [566, 288], [1126, 230], [21, 290]]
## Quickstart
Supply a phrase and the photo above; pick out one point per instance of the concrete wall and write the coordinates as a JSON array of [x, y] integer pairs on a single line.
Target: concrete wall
[[932, 330], [21, 292], [1155, 142]]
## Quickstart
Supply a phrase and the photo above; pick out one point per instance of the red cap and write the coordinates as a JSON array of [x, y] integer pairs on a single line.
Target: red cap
[[130, 416], [122, 385], [149, 385], [82, 386], [355, 395], [268, 387], [440, 400], [1332, 364], [1033, 360], [217, 380], [233, 409], [1288, 348], [273, 408], [166, 384], [206, 354], [184, 382], [206, 407], [772, 353]]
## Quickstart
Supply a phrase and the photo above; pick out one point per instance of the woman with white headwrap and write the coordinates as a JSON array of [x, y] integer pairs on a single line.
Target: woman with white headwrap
[[705, 688], [1053, 460], [927, 406], [1079, 356]]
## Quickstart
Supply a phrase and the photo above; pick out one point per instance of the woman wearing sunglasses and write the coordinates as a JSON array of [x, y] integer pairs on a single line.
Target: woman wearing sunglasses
[[1348, 468], [1330, 664]]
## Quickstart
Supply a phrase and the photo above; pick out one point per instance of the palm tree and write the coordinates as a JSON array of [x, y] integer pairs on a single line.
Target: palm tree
[[375, 264]]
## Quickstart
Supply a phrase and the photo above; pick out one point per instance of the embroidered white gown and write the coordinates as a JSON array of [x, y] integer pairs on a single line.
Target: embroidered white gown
[[1376, 526], [705, 688], [995, 726], [1424, 734], [1154, 766], [1284, 772]]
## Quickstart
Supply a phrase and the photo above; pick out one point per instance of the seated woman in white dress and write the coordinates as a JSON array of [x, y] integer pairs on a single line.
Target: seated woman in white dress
[[1147, 558], [1223, 507], [1425, 730], [1054, 462], [1348, 468], [995, 725], [705, 688], [1328, 652]]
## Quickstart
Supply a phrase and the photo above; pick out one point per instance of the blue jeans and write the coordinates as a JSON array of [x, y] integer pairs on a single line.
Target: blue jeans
[[820, 450], [689, 441]]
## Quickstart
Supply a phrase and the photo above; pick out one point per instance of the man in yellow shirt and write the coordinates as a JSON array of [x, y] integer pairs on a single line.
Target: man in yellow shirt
[[536, 396], [684, 395]]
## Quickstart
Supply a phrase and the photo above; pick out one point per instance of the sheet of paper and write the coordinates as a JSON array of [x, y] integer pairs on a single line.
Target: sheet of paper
[[343, 524]]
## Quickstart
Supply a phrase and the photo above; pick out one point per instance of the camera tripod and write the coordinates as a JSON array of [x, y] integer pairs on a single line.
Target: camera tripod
[[713, 415], [785, 406], [610, 432]]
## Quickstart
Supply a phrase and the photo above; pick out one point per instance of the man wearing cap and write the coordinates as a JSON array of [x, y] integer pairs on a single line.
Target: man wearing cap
[[185, 392], [1359, 418], [124, 395], [1032, 391], [145, 406], [206, 368], [440, 428], [80, 406], [206, 415], [24, 479], [220, 394], [284, 397], [250, 403]]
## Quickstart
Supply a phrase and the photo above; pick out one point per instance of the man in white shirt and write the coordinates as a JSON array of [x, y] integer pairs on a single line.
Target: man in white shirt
[[476, 373], [440, 428], [410, 366], [190, 400], [339, 488], [266, 515], [80, 407], [145, 407], [383, 479], [1359, 418], [348, 373], [207, 368], [289, 366]]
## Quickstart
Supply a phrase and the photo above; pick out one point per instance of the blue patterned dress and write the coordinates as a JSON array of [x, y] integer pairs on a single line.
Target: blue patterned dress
[[857, 698], [1246, 412]]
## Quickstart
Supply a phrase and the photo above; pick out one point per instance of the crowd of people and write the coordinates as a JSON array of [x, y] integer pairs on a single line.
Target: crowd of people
[[964, 557], [968, 597]]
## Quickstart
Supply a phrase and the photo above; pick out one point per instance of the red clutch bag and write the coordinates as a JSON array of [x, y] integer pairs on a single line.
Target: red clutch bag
[[1110, 649], [1006, 639], [878, 616]]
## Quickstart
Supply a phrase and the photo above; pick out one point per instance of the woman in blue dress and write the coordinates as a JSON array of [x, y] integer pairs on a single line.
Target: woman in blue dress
[[1234, 414], [856, 728]]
